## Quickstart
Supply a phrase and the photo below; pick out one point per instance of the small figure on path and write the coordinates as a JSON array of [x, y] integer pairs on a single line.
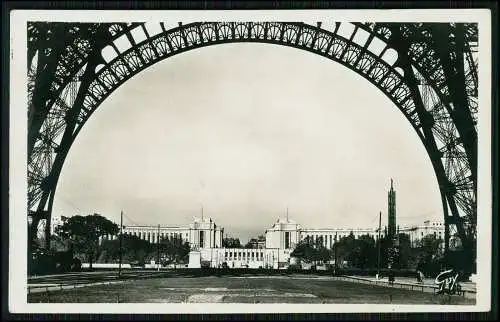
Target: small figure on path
[[420, 277], [391, 277]]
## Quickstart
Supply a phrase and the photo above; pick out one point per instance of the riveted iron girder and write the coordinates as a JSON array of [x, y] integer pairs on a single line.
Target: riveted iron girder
[[424, 82], [443, 56]]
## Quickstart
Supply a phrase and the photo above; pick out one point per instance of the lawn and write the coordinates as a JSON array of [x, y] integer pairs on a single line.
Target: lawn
[[211, 289]]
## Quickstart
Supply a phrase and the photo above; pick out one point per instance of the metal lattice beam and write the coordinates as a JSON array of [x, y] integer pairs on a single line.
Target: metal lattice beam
[[432, 81]]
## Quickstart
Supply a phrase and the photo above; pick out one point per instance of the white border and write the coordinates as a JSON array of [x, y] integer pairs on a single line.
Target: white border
[[18, 147]]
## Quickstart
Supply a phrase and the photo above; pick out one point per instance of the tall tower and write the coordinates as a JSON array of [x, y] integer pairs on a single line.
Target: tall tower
[[393, 251], [391, 212]]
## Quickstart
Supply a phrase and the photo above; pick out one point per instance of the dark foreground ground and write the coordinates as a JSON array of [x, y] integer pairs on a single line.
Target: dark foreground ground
[[261, 289]]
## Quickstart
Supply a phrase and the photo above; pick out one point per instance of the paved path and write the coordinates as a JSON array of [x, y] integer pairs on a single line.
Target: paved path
[[37, 284], [427, 285], [49, 283], [37, 288], [428, 282]]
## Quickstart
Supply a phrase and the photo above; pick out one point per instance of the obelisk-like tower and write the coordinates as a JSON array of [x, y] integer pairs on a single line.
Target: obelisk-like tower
[[391, 213]]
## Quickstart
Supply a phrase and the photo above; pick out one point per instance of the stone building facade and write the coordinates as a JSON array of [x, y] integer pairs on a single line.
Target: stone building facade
[[273, 251]]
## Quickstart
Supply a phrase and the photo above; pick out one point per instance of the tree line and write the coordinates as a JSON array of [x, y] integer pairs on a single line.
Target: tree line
[[425, 255], [83, 236]]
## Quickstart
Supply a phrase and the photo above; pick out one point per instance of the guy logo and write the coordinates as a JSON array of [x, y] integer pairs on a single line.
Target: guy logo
[[447, 281]]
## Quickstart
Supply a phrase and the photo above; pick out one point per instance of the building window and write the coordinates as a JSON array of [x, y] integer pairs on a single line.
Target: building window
[[287, 239], [202, 235]]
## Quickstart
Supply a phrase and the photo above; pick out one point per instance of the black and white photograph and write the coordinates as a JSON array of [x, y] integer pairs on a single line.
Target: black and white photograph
[[250, 161]]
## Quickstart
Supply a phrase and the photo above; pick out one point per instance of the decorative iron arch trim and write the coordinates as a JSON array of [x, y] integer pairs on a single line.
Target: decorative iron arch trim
[[338, 50], [378, 72], [326, 43]]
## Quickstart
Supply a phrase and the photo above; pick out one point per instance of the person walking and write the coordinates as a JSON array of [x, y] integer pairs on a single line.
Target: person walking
[[420, 278], [391, 277]]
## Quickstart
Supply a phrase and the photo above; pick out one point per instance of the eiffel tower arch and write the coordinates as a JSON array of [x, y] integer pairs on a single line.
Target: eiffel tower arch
[[428, 70]]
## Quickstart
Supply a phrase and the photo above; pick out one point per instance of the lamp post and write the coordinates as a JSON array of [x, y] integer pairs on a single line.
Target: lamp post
[[336, 260], [30, 243], [158, 247], [121, 241], [378, 248]]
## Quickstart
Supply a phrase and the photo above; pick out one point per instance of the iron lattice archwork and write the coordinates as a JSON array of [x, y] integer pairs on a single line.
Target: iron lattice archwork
[[429, 71]]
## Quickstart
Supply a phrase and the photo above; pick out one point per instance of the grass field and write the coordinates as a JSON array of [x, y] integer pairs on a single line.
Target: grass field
[[211, 289]]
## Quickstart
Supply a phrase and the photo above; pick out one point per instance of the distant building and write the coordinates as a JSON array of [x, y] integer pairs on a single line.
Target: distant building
[[272, 250], [285, 234], [243, 257], [201, 233], [258, 242], [261, 242], [55, 222], [417, 232]]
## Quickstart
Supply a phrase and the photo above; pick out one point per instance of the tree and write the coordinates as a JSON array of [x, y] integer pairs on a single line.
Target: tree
[[134, 249], [173, 250], [252, 243], [83, 233], [359, 252], [312, 251], [405, 255], [230, 242], [430, 255], [109, 251], [58, 244], [304, 250], [385, 250], [364, 254], [345, 248]]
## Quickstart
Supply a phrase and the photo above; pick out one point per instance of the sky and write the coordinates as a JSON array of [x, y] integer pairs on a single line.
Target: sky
[[246, 131]]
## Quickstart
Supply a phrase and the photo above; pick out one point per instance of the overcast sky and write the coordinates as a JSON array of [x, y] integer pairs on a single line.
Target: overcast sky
[[247, 130]]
